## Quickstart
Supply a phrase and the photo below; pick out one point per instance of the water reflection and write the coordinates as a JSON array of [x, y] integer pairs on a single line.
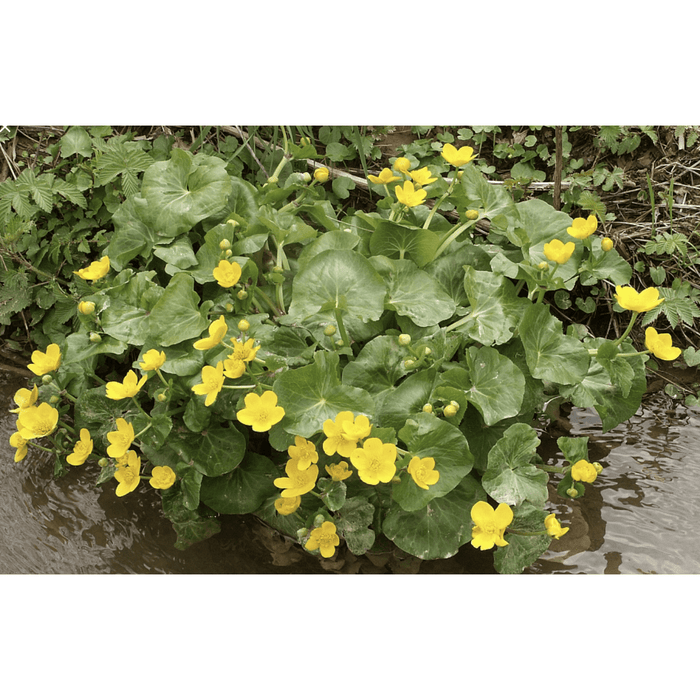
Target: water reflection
[[641, 514]]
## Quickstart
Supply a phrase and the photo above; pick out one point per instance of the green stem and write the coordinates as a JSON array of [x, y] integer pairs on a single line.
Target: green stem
[[69, 428], [629, 328], [138, 405], [530, 533], [341, 328], [148, 427], [41, 447], [270, 304], [240, 386], [445, 194], [451, 235]]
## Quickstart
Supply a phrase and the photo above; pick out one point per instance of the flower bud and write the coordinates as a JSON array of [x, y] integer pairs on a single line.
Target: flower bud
[[103, 462], [306, 177], [428, 408], [304, 141], [86, 307], [321, 175], [450, 411], [598, 467], [95, 338], [427, 351], [544, 265], [329, 330], [229, 307], [404, 339], [273, 179], [409, 363], [228, 253], [242, 294], [278, 269], [319, 520], [243, 325], [339, 343], [54, 399], [232, 222], [46, 379], [396, 480], [302, 532], [471, 214], [606, 244], [572, 492], [225, 244], [161, 398]]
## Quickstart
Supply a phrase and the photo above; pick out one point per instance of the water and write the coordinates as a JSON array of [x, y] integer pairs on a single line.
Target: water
[[639, 516]]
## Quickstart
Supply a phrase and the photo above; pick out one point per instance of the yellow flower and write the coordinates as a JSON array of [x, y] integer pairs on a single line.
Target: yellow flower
[[86, 307], [660, 345], [409, 196], [212, 381], [324, 538], [43, 363], [584, 471], [120, 439], [298, 481], [582, 228], [559, 252], [37, 421], [455, 157], [129, 475], [423, 471], [287, 506], [261, 412], [490, 525], [422, 177], [126, 389], [304, 452], [20, 445], [227, 273], [402, 165], [162, 478], [234, 364], [82, 449], [153, 359], [339, 471], [321, 174], [384, 178], [607, 244], [630, 299], [553, 526], [217, 331], [95, 270], [344, 432], [375, 461], [25, 398]]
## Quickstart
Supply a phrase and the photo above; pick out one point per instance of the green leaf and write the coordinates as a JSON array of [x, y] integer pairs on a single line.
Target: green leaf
[[189, 525], [395, 240], [413, 293], [522, 550], [492, 200], [182, 191], [439, 529], [494, 384], [510, 477], [338, 279], [177, 315], [488, 321], [242, 490], [551, 355], [342, 186], [131, 237], [573, 448], [76, 140], [406, 400], [215, 452], [425, 435], [352, 522], [332, 240], [313, 394], [78, 347], [332, 492], [178, 254], [605, 266], [125, 159], [378, 366]]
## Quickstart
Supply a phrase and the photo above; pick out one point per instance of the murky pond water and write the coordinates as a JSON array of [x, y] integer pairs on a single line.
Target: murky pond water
[[640, 516]]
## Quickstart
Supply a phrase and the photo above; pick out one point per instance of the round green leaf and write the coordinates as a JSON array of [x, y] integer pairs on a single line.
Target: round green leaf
[[242, 490], [439, 529], [338, 279]]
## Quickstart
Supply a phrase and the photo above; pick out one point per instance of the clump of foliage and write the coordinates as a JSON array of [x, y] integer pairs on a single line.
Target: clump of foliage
[[361, 376]]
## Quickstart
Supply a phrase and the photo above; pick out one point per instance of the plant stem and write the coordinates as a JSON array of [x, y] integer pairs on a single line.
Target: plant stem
[[445, 194], [451, 235], [629, 328], [341, 328]]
